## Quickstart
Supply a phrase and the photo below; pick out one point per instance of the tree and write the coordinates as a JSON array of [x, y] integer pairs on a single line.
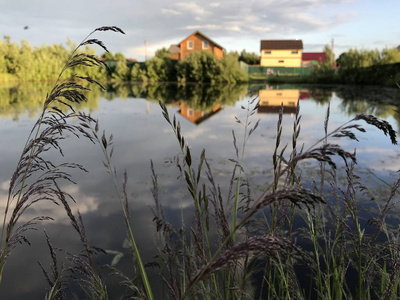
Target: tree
[[157, 69], [329, 56], [121, 71], [390, 56], [249, 58], [108, 56], [138, 73], [231, 69], [199, 67], [163, 53]]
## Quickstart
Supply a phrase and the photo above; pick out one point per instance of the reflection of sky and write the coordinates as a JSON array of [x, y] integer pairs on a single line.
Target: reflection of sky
[[141, 134]]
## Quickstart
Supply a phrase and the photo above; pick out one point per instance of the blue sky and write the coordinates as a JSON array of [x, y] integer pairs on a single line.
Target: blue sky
[[234, 24]]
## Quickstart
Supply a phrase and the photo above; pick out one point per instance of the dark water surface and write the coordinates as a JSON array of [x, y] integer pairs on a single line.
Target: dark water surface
[[133, 116]]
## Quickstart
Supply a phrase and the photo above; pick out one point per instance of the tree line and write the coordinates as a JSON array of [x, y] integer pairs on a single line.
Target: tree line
[[201, 67], [24, 62], [28, 63], [358, 66]]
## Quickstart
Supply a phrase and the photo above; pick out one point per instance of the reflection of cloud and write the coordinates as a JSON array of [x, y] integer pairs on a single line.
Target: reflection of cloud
[[4, 186], [84, 204], [378, 158]]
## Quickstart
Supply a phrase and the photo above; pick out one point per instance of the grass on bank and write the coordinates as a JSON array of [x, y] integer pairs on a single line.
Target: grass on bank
[[238, 246]]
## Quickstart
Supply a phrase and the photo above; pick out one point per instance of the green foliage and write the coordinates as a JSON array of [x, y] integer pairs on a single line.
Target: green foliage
[[249, 58], [378, 74], [108, 56], [27, 63], [201, 67], [358, 67], [163, 53], [204, 67], [355, 58], [231, 70], [24, 62], [157, 69], [138, 73], [121, 71], [120, 56]]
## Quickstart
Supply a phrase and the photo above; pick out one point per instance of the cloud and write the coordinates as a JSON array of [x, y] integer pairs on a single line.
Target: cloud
[[215, 4], [191, 8], [261, 29], [241, 21], [168, 11], [198, 27]]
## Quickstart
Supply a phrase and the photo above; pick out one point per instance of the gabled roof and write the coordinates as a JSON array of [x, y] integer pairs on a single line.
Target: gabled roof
[[318, 56], [281, 44], [174, 49], [204, 37]]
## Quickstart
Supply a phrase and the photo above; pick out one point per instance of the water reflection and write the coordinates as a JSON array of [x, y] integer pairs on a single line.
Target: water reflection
[[197, 116], [132, 114], [271, 100], [19, 99]]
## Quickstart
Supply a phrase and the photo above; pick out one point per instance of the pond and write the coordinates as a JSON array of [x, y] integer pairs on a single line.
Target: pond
[[207, 115]]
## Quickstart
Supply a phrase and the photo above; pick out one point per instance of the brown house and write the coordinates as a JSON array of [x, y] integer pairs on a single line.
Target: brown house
[[194, 43]]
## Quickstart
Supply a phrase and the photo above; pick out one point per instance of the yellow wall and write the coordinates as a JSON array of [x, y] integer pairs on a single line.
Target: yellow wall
[[276, 97], [281, 58]]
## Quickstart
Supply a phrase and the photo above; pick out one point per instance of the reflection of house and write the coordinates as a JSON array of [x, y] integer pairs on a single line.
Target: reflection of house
[[305, 95], [312, 58], [197, 116], [194, 43], [281, 53], [271, 100]]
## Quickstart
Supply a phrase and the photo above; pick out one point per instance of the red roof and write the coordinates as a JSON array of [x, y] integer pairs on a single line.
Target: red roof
[[317, 56]]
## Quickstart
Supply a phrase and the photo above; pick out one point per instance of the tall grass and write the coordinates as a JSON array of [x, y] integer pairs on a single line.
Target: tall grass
[[331, 214], [38, 180], [301, 238]]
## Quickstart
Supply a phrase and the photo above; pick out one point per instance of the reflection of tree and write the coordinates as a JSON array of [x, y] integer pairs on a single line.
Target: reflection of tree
[[320, 94], [377, 101], [204, 97], [197, 96], [381, 102], [19, 99]]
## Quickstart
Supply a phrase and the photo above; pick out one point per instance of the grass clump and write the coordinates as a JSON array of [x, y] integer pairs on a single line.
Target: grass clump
[[301, 238]]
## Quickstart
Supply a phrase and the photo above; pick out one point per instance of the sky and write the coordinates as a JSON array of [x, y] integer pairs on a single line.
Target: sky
[[236, 25]]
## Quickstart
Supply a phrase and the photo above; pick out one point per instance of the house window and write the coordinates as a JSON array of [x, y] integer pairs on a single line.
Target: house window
[[190, 112], [281, 61], [295, 52], [267, 52], [190, 45], [205, 44]]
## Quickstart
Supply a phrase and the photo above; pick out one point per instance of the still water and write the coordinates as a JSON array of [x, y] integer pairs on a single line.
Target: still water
[[141, 134]]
